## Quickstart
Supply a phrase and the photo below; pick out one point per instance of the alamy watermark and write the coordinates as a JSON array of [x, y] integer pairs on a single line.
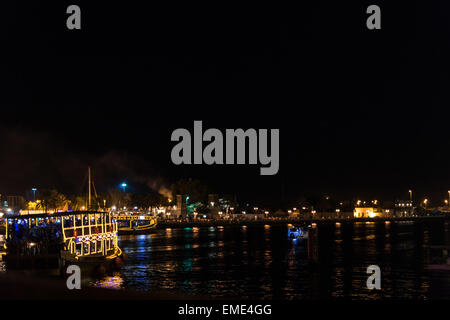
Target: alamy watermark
[[74, 280], [374, 280], [236, 141]]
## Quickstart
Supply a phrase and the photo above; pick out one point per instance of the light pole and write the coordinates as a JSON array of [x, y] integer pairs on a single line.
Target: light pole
[[123, 185], [34, 193], [410, 195]]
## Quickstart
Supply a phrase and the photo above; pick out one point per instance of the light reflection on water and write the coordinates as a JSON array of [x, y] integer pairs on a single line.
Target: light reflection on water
[[2, 264], [260, 262], [110, 282]]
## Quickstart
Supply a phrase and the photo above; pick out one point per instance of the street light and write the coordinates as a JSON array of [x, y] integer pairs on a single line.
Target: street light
[[410, 195], [123, 185], [34, 193]]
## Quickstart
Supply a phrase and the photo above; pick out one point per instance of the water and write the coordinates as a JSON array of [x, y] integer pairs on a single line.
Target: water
[[260, 262]]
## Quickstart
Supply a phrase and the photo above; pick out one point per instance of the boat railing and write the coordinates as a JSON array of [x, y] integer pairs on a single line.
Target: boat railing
[[133, 217], [88, 234]]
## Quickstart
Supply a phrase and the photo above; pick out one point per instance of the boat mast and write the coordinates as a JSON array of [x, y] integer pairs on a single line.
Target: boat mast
[[89, 188]]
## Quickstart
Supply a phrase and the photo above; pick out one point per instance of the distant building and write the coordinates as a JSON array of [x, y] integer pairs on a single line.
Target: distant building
[[404, 208], [220, 207], [294, 213], [181, 209], [213, 200], [367, 212], [15, 203]]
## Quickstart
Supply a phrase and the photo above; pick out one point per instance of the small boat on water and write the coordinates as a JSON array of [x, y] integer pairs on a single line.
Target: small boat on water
[[134, 222], [54, 241], [297, 233]]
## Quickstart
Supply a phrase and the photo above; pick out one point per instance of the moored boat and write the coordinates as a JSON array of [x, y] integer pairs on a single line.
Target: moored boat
[[54, 241], [134, 223]]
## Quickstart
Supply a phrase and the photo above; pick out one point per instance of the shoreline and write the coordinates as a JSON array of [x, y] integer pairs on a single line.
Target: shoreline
[[280, 221], [213, 223]]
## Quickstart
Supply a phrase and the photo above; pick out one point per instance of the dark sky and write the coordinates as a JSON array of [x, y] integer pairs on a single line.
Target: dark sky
[[361, 113]]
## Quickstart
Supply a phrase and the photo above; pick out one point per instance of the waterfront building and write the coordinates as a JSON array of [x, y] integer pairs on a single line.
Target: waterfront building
[[213, 200], [181, 209], [404, 208], [15, 203], [294, 213], [367, 212]]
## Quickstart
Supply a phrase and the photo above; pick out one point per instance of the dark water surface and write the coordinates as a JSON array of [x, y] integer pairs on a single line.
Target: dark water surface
[[260, 262]]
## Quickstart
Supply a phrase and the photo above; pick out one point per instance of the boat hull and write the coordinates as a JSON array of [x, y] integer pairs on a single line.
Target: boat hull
[[137, 230], [58, 263], [93, 265]]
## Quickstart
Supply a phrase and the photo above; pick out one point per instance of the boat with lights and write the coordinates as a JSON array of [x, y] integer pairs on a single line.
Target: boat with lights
[[134, 222], [54, 241], [37, 239], [297, 232]]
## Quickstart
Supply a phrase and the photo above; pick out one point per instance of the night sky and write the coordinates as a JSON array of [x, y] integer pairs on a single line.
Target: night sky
[[361, 113]]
